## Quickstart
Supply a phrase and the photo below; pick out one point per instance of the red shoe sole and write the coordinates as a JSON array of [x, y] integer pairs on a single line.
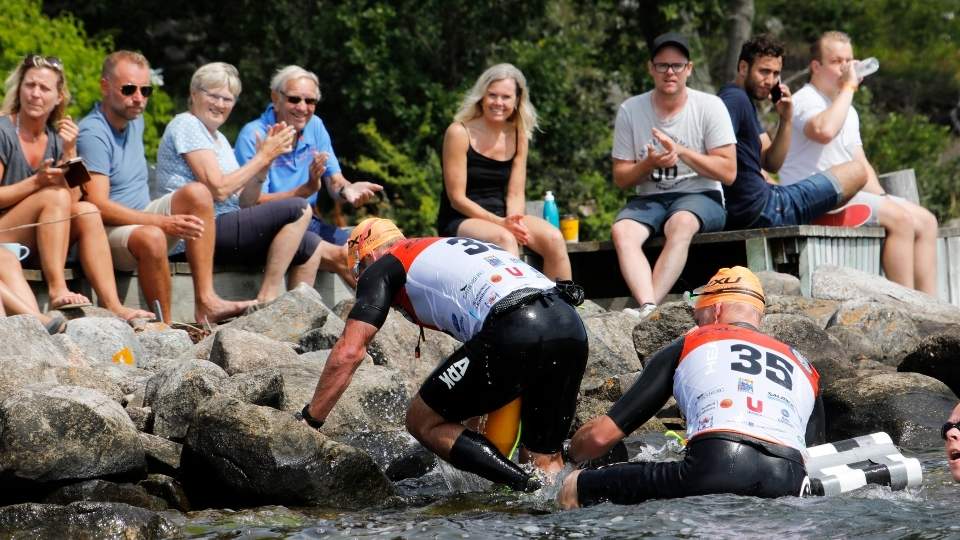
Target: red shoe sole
[[854, 215]]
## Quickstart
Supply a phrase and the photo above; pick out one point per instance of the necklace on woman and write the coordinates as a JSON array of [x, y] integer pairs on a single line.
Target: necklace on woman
[[21, 135]]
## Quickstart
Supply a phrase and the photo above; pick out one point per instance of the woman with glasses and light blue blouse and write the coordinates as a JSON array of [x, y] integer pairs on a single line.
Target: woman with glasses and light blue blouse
[[193, 150]]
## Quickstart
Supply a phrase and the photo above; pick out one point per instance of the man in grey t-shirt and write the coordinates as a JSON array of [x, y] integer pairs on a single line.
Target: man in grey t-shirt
[[140, 231], [674, 146]]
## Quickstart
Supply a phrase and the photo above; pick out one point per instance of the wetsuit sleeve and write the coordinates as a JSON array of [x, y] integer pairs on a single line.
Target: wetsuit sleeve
[[651, 391], [375, 290], [816, 424]]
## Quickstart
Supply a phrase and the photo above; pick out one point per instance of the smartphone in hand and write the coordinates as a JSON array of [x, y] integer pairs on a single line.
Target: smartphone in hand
[[775, 92], [76, 172]]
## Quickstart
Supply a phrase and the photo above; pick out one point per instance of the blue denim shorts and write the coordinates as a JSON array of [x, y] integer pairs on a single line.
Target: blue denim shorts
[[654, 210], [801, 202], [331, 233]]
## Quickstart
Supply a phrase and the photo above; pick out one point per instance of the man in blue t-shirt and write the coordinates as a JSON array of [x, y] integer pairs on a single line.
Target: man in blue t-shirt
[[752, 202], [294, 93], [141, 232]]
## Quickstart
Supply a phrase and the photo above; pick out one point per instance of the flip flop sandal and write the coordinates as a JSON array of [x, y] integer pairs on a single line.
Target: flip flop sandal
[[56, 325]]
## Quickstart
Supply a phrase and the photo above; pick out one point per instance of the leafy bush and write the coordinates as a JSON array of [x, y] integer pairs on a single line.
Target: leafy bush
[[24, 29]]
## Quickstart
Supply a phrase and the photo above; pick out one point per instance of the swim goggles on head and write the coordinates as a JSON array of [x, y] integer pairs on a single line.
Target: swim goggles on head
[[947, 427], [691, 297]]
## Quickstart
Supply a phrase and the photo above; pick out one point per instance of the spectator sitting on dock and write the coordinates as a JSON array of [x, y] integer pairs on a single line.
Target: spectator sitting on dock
[[294, 94], [752, 202], [141, 232], [826, 132], [672, 145]]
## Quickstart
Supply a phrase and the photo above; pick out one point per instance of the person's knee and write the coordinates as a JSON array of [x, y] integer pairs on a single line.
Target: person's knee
[[627, 232], [194, 195], [681, 227], [925, 221], [895, 219], [87, 215], [148, 243], [55, 196], [506, 240]]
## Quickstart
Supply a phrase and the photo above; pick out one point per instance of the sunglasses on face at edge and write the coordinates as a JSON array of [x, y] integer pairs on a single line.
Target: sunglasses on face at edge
[[947, 427]]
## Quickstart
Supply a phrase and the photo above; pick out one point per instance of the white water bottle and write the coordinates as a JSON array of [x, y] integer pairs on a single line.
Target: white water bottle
[[866, 67]]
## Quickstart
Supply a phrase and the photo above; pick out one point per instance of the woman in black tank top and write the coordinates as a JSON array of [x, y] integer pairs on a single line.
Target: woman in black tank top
[[485, 171]]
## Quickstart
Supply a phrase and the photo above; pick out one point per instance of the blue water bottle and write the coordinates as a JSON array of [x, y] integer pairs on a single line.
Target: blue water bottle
[[550, 211]]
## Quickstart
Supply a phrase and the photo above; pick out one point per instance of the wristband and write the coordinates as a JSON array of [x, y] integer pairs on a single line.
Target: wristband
[[304, 415]]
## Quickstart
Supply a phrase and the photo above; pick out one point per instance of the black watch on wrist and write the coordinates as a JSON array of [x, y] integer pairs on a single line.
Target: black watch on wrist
[[304, 415]]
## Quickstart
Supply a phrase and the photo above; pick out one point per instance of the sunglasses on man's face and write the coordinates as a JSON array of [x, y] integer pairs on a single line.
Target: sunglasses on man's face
[[295, 100], [130, 89]]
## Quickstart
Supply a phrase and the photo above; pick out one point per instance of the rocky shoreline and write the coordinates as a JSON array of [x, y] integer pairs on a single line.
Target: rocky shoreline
[[90, 444]]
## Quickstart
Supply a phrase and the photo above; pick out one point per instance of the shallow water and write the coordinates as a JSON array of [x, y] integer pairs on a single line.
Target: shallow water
[[427, 508]]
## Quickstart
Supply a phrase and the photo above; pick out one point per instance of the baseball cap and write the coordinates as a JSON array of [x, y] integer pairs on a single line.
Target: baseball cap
[[737, 284], [670, 38], [366, 237]]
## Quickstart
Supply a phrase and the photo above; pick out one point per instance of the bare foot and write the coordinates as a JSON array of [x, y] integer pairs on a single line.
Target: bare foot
[[68, 300], [129, 314], [567, 497], [214, 312]]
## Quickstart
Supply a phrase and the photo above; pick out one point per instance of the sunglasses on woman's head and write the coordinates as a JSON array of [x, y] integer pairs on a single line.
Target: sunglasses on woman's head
[[130, 89], [40, 61]]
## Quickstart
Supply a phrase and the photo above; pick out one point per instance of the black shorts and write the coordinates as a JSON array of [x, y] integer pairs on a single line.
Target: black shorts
[[713, 464], [537, 351], [244, 236]]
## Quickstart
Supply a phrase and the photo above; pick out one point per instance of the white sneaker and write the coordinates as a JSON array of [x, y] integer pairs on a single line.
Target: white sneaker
[[643, 312]]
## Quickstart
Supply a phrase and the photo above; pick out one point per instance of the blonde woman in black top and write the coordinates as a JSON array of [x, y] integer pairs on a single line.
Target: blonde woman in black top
[[485, 171]]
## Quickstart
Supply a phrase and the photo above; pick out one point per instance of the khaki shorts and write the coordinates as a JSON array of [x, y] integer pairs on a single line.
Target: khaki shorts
[[874, 201], [118, 237]]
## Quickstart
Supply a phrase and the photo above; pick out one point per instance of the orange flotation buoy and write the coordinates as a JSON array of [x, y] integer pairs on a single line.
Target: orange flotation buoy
[[502, 427]]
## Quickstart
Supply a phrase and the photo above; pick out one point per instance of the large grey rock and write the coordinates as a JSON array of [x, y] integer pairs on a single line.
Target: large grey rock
[[259, 387], [105, 491], [287, 318], [611, 345], [842, 283], [100, 338], [75, 356], [84, 520], [376, 399], [90, 378], [813, 342], [256, 455], [323, 337], [162, 455], [670, 321], [910, 407], [168, 489], [395, 343], [937, 356], [779, 283], [17, 372], [22, 336], [589, 307], [820, 311], [175, 393], [888, 326], [238, 351], [50, 433], [168, 343]]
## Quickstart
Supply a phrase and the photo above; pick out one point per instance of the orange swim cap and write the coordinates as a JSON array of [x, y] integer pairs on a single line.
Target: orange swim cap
[[737, 284], [366, 237]]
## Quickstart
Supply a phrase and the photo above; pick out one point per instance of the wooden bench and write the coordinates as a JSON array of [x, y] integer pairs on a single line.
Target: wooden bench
[[797, 250]]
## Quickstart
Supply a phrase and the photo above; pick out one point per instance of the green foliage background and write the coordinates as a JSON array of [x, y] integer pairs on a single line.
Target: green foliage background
[[24, 29], [392, 74]]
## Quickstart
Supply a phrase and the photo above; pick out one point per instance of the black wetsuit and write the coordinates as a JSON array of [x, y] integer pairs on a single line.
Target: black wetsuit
[[715, 462], [531, 342]]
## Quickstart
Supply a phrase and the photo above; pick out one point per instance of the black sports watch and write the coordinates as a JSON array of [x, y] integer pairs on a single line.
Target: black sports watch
[[304, 415]]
